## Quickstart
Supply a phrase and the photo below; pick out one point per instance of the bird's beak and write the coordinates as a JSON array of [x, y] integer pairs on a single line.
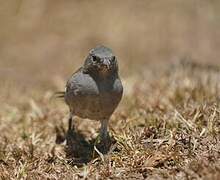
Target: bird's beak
[[107, 64], [105, 68]]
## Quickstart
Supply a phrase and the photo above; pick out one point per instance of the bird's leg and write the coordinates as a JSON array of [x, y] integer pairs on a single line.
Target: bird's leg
[[104, 129], [70, 129], [70, 138], [70, 122], [105, 140]]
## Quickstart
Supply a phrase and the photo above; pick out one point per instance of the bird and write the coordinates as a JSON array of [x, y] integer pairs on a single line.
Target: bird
[[94, 90]]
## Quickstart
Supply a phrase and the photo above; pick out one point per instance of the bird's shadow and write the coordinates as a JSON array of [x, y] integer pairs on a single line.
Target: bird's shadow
[[78, 150]]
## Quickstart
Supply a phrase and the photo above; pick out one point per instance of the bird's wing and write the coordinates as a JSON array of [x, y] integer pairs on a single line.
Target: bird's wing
[[61, 94]]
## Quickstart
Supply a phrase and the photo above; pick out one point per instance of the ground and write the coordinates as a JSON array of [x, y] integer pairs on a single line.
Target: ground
[[167, 126]]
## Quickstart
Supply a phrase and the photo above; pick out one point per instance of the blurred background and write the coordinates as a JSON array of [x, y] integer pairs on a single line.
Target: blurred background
[[43, 41]]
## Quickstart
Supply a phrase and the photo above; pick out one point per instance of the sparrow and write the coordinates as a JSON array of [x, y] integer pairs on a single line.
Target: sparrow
[[94, 90]]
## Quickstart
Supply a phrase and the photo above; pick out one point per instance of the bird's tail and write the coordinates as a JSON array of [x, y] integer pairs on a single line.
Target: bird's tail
[[59, 94]]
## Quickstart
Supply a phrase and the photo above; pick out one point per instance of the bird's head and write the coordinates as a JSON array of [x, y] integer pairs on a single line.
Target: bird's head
[[101, 61]]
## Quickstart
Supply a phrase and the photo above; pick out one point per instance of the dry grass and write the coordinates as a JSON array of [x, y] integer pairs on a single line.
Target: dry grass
[[166, 127]]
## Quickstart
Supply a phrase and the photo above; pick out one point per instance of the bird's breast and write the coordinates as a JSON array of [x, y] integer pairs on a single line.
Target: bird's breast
[[88, 98]]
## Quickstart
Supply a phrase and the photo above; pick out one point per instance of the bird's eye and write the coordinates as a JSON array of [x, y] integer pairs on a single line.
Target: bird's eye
[[113, 59], [95, 59]]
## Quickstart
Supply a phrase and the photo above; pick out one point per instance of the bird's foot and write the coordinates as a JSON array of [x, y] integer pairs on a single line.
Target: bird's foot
[[60, 135], [103, 143], [71, 137]]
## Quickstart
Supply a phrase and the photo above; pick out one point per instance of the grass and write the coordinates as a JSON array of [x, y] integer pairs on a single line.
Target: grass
[[167, 126]]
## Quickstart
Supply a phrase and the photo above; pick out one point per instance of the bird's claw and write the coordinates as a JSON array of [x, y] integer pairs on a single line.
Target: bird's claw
[[103, 143]]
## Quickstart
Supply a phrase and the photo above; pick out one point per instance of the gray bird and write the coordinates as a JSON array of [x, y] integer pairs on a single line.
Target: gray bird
[[95, 90]]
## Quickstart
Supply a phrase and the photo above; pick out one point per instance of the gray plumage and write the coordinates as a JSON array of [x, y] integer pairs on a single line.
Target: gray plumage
[[93, 98], [95, 90]]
